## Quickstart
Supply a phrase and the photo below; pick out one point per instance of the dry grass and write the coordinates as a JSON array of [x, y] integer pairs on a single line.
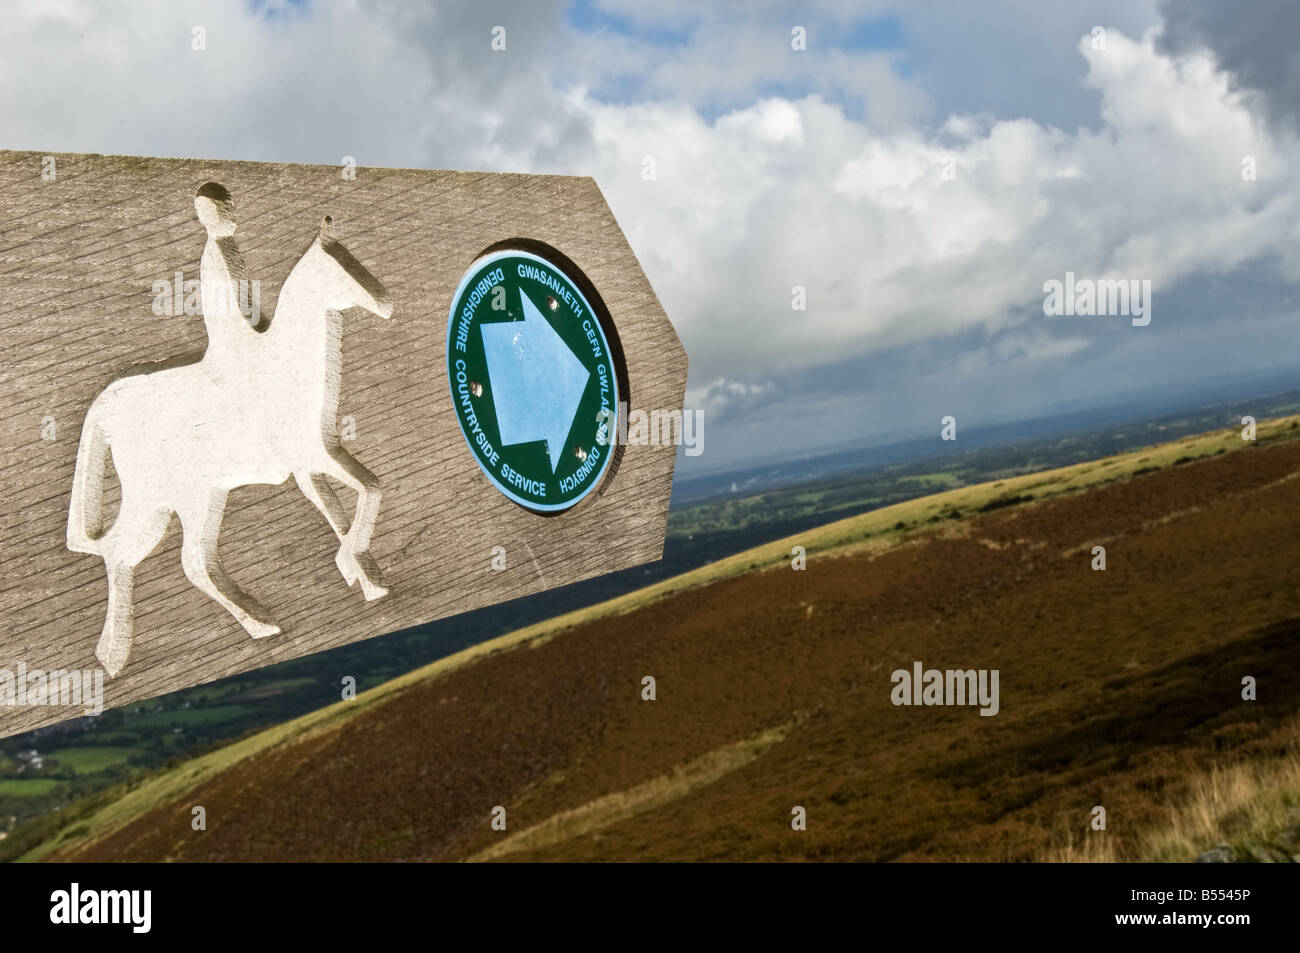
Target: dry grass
[[658, 791], [1238, 803]]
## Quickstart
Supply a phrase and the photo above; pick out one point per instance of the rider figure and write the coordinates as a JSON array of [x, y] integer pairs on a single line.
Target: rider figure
[[223, 279]]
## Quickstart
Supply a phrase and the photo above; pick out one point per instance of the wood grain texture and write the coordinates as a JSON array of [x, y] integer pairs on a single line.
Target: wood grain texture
[[78, 258]]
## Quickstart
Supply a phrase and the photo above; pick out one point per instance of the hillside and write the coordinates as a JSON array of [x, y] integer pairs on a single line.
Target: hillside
[[1119, 688]]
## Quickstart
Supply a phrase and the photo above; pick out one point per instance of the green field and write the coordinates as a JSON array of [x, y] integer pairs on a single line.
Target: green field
[[944, 478], [189, 716], [30, 787], [91, 760]]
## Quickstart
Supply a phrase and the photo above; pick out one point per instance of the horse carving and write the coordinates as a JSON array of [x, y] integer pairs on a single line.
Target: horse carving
[[259, 407]]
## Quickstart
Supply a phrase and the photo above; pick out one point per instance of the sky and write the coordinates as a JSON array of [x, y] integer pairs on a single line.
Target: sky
[[920, 170]]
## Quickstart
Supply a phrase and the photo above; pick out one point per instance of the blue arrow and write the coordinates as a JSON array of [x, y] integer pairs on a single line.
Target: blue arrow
[[537, 381]]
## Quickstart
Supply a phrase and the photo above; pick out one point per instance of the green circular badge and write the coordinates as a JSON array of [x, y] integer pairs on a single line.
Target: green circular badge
[[532, 380]]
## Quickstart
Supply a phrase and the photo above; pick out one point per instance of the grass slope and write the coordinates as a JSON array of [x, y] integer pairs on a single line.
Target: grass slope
[[587, 778]]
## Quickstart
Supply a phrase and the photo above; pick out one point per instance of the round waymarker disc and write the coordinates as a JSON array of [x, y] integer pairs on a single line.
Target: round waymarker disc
[[532, 378]]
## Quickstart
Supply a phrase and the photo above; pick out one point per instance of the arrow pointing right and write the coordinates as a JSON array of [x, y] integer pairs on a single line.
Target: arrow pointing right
[[537, 381]]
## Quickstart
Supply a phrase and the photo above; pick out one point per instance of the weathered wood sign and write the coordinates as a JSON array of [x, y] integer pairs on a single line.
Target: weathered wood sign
[[253, 411]]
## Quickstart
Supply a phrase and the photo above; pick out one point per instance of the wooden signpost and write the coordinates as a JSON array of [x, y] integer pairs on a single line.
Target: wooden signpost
[[252, 411]]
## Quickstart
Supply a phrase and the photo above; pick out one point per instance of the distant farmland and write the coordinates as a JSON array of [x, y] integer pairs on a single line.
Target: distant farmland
[[1119, 688]]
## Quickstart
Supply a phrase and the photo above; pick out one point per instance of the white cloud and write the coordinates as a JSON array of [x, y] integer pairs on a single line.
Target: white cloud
[[891, 252], [834, 183]]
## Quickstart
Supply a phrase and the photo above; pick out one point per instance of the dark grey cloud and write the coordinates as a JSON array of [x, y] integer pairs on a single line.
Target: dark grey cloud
[[1259, 42]]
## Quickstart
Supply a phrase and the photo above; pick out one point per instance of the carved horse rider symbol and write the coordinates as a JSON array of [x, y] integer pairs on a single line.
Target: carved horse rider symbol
[[225, 289], [259, 407]]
